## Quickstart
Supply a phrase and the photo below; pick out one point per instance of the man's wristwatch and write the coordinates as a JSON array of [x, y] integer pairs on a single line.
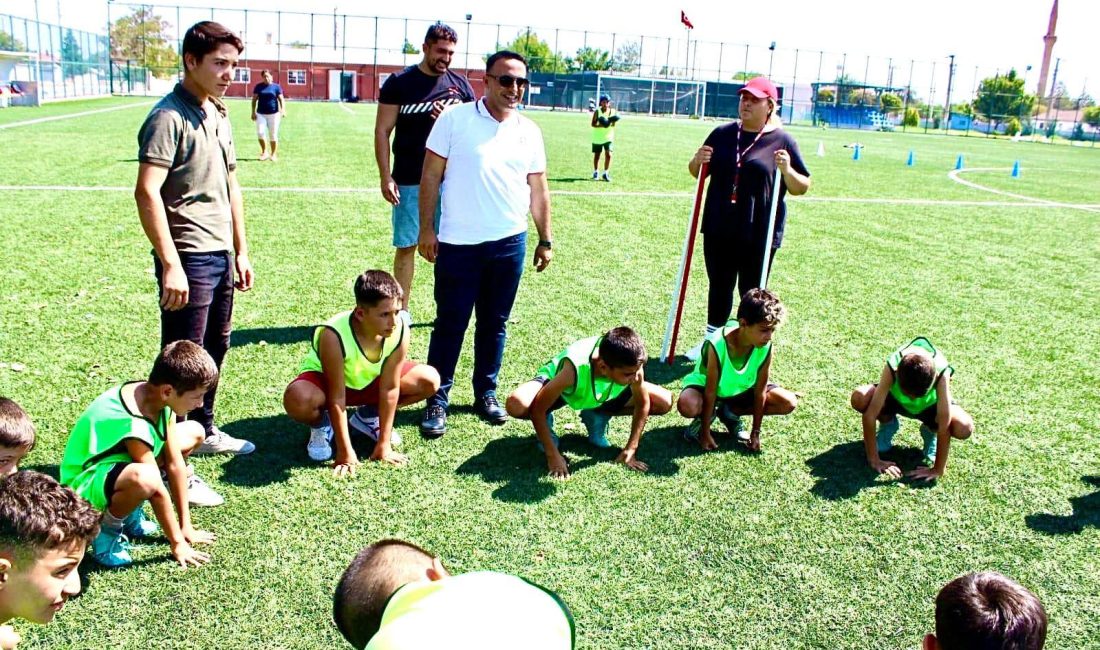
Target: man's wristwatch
[[546, 243]]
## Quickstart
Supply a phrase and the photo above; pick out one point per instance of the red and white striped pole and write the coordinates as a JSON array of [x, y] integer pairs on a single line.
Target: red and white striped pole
[[679, 290]]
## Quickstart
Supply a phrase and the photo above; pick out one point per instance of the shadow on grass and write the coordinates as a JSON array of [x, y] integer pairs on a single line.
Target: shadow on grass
[[573, 179], [280, 446], [1086, 512], [842, 472], [517, 462], [51, 470], [664, 373], [272, 335]]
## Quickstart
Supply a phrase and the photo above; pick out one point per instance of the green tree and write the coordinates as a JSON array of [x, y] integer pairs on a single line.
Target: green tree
[[71, 57], [628, 57], [1062, 100], [144, 37], [409, 48], [912, 117], [891, 103], [863, 97], [1092, 116], [540, 58], [591, 58], [826, 96], [10, 43], [1003, 96], [745, 75]]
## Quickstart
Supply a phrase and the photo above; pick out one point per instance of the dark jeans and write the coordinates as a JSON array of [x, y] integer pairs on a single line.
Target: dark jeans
[[730, 265], [483, 279], [206, 320]]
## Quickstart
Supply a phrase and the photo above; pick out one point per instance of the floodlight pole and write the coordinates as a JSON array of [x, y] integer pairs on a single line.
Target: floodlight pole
[[771, 58], [950, 78], [38, 58], [466, 65]]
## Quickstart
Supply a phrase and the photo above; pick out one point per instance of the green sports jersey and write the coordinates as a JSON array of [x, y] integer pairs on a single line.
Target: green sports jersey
[[602, 134], [100, 434], [915, 405], [731, 379], [359, 370], [484, 610], [588, 391]]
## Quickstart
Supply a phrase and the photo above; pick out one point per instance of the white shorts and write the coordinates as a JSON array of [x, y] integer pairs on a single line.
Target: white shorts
[[266, 124]]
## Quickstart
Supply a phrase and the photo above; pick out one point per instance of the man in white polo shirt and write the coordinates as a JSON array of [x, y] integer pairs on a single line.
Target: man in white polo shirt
[[491, 163]]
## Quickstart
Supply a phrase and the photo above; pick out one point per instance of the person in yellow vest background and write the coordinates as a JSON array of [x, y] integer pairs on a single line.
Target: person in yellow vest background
[[396, 596], [604, 119]]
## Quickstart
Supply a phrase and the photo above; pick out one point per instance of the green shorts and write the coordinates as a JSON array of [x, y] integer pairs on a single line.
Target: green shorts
[[96, 485]]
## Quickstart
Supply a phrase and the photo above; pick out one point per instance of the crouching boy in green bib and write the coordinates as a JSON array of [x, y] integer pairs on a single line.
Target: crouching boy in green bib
[[916, 383], [125, 439], [731, 376], [358, 358], [600, 376]]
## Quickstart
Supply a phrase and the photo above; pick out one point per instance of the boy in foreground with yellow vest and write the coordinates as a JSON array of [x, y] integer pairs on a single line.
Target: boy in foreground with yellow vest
[[604, 119], [16, 436], [44, 531], [916, 383], [731, 376], [358, 358], [125, 439], [397, 596], [600, 376]]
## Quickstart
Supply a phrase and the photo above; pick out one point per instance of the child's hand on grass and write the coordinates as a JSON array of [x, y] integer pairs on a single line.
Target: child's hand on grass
[[345, 465], [924, 474], [887, 468], [188, 556], [706, 441], [754, 442], [627, 457], [388, 455], [559, 467], [198, 536]]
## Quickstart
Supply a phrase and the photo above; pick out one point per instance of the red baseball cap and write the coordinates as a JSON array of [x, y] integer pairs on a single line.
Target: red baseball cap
[[760, 87]]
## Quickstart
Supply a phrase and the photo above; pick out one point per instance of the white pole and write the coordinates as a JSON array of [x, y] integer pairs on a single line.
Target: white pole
[[771, 229]]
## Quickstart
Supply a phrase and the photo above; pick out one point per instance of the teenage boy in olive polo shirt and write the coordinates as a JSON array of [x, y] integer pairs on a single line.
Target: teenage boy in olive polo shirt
[[192, 212]]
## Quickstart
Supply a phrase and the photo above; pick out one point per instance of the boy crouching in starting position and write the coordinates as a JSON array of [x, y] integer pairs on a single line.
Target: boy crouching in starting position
[[731, 376], [44, 529], [358, 358], [600, 376], [122, 443], [915, 382]]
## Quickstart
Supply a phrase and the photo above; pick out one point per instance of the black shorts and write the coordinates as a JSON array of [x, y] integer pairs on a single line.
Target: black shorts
[[597, 148], [610, 407], [111, 479], [892, 408], [740, 402]]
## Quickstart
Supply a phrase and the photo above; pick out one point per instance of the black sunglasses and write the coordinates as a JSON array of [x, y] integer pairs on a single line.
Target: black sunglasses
[[508, 80]]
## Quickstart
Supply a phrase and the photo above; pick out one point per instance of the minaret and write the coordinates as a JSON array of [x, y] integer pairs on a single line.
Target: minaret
[[1048, 47]]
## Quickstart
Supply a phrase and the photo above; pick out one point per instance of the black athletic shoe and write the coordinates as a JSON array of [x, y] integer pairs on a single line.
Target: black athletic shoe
[[489, 409], [434, 424]]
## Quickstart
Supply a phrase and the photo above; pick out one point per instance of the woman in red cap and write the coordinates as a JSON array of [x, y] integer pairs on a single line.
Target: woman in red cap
[[742, 157]]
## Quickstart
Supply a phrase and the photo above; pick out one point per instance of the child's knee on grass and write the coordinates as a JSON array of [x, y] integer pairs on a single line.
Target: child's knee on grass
[[518, 404], [690, 403], [189, 435], [138, 482], [962, 425], [861, 397], [421, 382], [660, 399], [781, 401], [303, 401]]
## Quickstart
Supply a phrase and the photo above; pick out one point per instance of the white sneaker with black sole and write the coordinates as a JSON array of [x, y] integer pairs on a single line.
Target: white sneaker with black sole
[[370, 426], [319, 446], [220, 442], [199, 493]]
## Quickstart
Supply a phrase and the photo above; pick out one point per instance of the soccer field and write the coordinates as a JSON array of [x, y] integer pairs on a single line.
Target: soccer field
[[802, 546]]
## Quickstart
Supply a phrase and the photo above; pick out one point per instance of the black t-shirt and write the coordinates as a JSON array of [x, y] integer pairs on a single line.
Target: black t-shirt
[[414, 93], [746, 221]]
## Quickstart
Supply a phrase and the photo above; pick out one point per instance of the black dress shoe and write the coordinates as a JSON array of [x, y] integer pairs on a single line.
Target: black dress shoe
[[489, 409], [434, 423]]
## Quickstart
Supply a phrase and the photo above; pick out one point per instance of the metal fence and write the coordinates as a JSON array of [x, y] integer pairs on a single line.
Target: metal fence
[[48, 62], [860, 91]]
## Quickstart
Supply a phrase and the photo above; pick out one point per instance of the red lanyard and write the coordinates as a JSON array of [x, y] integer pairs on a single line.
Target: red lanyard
[[739, 152]]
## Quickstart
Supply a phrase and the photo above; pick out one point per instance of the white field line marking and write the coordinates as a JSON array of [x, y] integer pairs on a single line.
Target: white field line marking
[[954, 175], [70, 115], [346, 108], [1030, 203]]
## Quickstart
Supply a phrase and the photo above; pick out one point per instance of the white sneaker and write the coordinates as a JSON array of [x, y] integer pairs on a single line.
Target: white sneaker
[[221, 442], [319, 446], [370, 426], [406, 316], [694, 353], [201, 494]]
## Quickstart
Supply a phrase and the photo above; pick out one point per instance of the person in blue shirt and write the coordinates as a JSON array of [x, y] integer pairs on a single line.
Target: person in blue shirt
[[267, 110]]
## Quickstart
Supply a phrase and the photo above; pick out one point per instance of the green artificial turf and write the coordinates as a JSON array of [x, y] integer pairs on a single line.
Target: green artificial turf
[[802, 546]]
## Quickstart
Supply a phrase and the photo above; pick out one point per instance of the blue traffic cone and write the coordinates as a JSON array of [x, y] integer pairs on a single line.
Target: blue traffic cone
[[855, 152], [959, 162], [912, 159], [1016, 169]]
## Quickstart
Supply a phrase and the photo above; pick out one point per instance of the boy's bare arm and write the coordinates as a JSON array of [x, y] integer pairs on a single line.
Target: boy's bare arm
[[710, 391], [175, 532], [943, 432], [332, 366], [544, 399], [389, 392], [628, 455], [870, 422], [759, 400]]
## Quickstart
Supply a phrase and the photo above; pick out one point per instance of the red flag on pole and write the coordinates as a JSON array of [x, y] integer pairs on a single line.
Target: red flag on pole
[[685, 21]]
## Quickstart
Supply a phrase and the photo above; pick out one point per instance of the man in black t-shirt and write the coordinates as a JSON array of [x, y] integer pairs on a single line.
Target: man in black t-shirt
[[410, 101]]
